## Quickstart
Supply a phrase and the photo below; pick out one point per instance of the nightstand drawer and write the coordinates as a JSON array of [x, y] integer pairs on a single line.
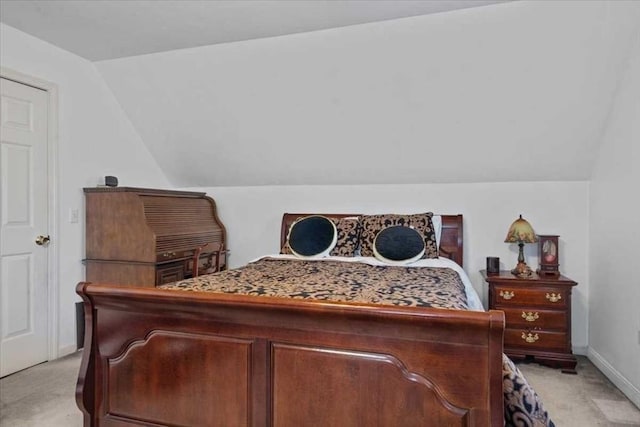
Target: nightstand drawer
[[532, 318], [509, 296], [534, 339]]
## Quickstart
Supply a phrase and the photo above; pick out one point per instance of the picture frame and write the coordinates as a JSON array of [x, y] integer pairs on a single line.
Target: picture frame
[[548, 255]]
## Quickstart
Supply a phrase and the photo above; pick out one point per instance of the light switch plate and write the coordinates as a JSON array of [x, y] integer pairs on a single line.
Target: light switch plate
[[73, 216]]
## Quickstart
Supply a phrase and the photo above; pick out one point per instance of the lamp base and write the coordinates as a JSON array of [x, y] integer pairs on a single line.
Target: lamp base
[[522, 270]]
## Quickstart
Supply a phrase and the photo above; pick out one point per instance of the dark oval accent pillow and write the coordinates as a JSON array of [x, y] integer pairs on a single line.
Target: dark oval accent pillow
[[313, 235], [398, 245]]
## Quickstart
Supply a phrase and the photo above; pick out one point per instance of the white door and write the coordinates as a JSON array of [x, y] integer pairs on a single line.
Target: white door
[[23, 217]]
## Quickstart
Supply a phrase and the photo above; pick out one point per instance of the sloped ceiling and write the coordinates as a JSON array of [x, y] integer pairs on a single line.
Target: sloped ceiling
[[108, 29], [512, 92]]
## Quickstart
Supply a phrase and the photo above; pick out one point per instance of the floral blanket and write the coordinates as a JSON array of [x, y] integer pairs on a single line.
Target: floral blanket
[[336, 281], [360, 282]]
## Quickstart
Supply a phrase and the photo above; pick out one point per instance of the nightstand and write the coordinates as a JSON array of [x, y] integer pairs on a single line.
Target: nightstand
[[537, 313]]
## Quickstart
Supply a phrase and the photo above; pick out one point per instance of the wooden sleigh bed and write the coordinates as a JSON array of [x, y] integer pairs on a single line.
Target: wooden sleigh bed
[[163, 357]]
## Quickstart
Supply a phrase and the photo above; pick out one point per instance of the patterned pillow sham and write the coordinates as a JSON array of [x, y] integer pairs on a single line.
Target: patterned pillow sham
[[348, 237], [371, 225]]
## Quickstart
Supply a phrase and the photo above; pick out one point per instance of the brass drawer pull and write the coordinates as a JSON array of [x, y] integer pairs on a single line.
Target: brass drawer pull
[[530, 338], [530, 317], [553, 297], [507, 294]]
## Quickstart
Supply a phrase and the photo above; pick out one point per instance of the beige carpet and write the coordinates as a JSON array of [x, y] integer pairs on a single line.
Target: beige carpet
[[585, 399], [44, 396]]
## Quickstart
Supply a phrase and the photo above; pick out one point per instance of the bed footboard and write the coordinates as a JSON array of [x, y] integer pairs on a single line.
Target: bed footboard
[[161, 357]]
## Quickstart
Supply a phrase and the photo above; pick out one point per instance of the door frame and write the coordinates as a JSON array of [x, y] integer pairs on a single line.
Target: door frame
[[52, 202]]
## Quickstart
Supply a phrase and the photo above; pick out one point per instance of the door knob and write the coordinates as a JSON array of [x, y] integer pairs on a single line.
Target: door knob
[[42, 240]]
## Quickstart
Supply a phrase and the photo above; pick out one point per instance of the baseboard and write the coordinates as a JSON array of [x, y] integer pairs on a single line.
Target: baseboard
[[68, 349], [614, 376], [581, 350]]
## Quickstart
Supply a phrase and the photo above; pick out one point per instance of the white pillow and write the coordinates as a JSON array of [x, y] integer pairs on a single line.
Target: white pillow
[[436, 220]]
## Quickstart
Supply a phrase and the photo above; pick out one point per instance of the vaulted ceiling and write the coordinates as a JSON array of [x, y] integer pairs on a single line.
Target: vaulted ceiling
[[108, 29], [516, 91]]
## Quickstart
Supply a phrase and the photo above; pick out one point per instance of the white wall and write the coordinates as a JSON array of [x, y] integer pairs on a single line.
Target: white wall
[[614, 305], [95, 139], [252, 216]]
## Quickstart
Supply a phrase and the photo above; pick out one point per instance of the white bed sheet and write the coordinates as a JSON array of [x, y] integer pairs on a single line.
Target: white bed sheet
[[473, 299]]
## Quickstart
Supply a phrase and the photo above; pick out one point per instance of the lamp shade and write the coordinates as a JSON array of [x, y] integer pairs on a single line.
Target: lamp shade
[[521, 231]]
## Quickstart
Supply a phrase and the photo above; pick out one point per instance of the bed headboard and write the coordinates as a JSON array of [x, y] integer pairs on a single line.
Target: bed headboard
[[451, 245]]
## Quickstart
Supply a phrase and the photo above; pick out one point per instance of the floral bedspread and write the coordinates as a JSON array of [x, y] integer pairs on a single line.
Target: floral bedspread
[[336, 281], [359, 282]]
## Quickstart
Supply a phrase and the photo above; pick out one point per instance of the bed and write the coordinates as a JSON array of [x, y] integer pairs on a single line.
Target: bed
[[169, 357]]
